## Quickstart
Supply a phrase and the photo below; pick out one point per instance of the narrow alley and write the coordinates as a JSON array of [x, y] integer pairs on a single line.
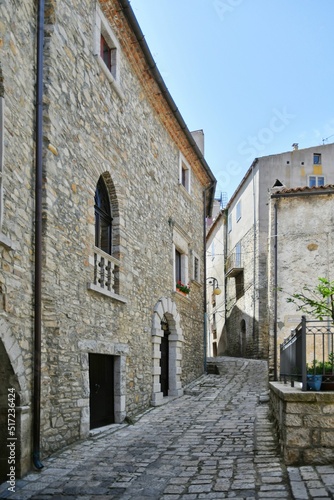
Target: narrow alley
[[214, 442]]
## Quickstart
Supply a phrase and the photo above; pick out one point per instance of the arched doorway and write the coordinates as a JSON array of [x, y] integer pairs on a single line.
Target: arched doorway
[[164, 360], [14, 394], [167, 343]]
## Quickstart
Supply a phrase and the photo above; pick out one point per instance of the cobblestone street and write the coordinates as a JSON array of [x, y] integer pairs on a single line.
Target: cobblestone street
[[215, 442]]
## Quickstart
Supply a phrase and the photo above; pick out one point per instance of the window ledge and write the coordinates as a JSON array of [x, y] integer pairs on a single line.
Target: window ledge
[[6, 242], [185, 191], [106, 293], [114, 83]]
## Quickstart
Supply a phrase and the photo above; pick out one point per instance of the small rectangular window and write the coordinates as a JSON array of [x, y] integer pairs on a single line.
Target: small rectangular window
[[184, 174], [178, 266], [316, 159], [238, 209], [108, 55], [107, 50], [196, 269], [181, 268], [316, 180], [229, 223]]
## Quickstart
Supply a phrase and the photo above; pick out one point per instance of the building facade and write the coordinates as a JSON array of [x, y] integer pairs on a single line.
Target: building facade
[[300, 250], [215, 285], [246, 249], [101, 217]]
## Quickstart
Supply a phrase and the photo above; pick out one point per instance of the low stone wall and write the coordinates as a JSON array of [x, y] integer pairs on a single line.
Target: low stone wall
[[305, 423]]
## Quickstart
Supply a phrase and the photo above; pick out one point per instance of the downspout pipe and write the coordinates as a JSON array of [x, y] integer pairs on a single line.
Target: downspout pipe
[[205, 333], [38, 239], [275, 291]]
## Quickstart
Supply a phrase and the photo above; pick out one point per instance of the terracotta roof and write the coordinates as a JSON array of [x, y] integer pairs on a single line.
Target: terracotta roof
[[305, 189]]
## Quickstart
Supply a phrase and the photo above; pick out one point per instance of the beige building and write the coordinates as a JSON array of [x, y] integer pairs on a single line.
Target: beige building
[[246, 243], [301, 249], [215, 284], [101, 220]]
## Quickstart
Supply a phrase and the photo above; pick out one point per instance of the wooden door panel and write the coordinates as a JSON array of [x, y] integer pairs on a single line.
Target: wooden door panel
[[101, 385]]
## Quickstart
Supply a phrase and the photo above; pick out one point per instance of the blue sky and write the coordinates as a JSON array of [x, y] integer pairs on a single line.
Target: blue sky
[[255, 75]]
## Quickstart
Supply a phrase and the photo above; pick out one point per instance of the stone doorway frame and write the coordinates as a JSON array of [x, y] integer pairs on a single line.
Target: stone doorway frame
[[119, 352], [23, 415], [166, 307]]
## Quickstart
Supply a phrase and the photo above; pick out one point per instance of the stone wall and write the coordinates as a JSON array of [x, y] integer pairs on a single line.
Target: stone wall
[[127, 134], [17, 117], [297, 241], [246, 330], [98, 130], [305, 424]]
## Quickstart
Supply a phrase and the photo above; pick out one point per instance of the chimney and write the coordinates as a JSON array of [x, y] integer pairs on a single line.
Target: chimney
[[198, 136], [295, 146]]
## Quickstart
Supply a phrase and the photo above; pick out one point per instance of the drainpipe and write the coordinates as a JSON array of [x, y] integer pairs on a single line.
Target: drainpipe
[[204, 291], [38, 239], [275, 291], [255, 337], [205, 338]]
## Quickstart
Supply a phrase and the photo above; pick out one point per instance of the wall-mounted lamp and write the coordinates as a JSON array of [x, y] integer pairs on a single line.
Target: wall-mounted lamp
[[214, 282]]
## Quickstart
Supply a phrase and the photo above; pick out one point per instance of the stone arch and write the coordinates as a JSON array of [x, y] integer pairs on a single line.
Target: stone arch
[[166, 308], [13, 394], [15, 358], [117, 207], [2, 88]]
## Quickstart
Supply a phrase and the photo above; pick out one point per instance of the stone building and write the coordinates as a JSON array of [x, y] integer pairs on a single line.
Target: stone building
[[101, 216], [246, 330], [300, 250]]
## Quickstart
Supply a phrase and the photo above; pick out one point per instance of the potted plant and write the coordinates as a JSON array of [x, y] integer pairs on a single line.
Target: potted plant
[[314, 375], [183, 289], [328, 374], [319, 302]]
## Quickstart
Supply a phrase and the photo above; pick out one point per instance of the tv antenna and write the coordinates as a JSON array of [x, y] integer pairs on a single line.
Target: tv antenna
[[323, 141]]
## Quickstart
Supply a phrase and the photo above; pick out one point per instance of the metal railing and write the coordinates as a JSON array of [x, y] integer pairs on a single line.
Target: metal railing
[[308, 351]]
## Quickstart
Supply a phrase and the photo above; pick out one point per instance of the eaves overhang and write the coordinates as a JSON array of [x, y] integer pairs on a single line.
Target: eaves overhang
[[133, 23]]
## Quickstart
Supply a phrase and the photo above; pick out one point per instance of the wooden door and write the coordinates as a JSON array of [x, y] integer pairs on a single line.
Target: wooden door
[[101, 385], [164, 364]]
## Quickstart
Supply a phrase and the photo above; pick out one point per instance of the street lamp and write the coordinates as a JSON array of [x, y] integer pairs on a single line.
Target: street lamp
[[214, 282]]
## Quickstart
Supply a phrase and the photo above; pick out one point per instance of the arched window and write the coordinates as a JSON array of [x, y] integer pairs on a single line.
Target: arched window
[[103, 219]]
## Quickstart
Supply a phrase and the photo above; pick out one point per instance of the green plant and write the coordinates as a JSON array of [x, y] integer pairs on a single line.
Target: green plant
[[321, 367], [183, 288], [318, 301], [316, 368]]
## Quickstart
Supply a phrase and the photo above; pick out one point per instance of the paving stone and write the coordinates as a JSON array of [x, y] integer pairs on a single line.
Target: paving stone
[[217, 443]]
